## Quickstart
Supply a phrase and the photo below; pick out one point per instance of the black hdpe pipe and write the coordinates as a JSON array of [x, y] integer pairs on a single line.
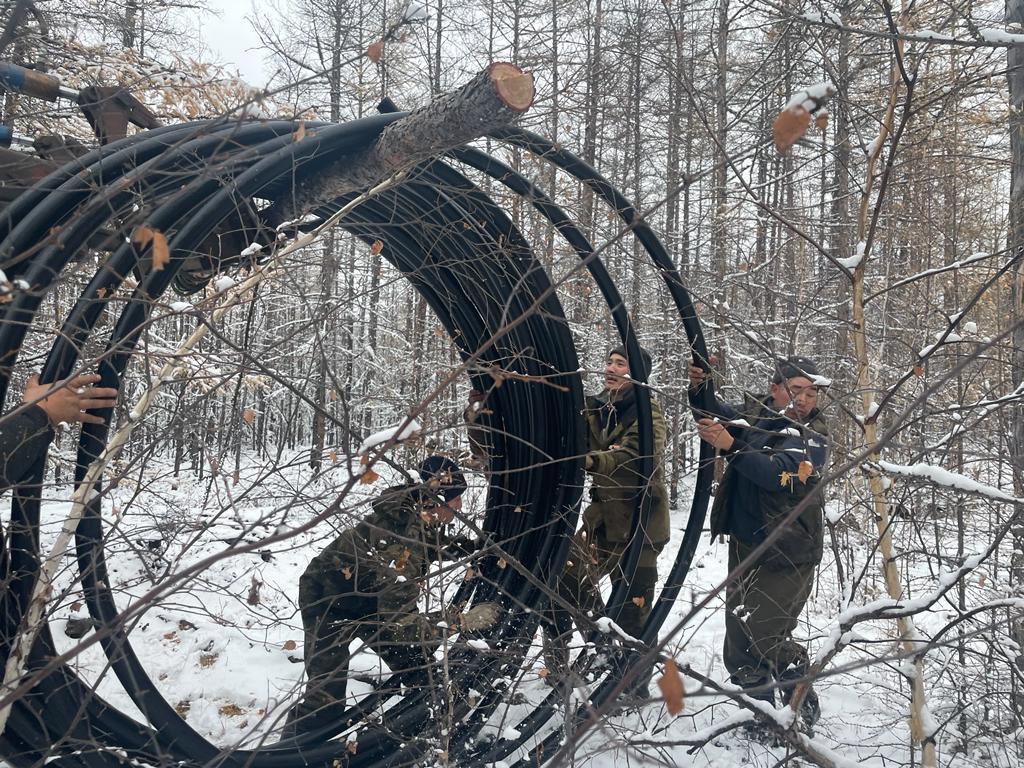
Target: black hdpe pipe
[[478, 274]]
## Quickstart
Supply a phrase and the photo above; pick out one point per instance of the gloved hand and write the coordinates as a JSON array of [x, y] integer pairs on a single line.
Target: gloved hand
[[480, 617], [460, 546]]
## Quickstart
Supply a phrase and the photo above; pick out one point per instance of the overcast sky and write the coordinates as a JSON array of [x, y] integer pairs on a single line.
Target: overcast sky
[[232, 40]]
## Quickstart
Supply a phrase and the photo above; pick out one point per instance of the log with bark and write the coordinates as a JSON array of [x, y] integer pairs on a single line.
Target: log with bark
[[493, 98]]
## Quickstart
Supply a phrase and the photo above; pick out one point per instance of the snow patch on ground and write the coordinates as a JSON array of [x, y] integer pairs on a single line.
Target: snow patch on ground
[[227, 652]]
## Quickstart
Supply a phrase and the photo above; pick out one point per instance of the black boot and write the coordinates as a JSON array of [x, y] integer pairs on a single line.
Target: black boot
[[810, 708], [637, 690], [757, 688]]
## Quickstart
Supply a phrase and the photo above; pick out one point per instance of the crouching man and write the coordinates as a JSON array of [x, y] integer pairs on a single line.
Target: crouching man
[[366, 584]]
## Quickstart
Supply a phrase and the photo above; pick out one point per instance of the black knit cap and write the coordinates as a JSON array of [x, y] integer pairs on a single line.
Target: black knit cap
[[443, 475], [795, 365], [644, 355]]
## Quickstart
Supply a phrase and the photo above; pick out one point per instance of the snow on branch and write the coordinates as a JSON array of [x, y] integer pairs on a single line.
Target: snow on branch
[[408, 428], [945, 477]]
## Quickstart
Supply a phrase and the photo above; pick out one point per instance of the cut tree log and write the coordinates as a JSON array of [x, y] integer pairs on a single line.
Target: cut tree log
[[493, 98]]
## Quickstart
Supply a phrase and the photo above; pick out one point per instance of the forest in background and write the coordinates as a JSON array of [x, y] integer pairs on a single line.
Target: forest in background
[[885, 245]]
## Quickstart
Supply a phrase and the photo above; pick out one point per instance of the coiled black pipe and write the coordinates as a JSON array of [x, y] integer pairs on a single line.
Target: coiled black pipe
[[479, 275]]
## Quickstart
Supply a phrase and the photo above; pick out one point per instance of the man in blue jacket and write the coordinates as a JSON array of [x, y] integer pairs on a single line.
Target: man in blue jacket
[[776, 448]]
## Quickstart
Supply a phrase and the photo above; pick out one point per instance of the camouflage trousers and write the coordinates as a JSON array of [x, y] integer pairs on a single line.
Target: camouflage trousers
[[762, 610], [405, 643]]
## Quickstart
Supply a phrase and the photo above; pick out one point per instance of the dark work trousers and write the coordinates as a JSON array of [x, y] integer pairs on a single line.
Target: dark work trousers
[[328, 632], [591, 558], [762, 610]]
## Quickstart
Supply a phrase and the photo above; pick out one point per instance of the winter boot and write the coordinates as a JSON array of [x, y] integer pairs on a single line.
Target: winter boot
[[756, 688], [810, 708]]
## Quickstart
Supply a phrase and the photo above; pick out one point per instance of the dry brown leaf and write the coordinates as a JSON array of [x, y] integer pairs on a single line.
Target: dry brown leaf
[[231, 710], [373, 53], [789, 127], [289, 645], [77, 605], [332, 395], [333, 455], [248, 416], [141, 236], [351, 747], [403, 558], [785, 479], [805, 470], [981, 580], [300, 132], [918, 370], [377, 247], [161, 253], [671, 686], [543, 672], [369, 477], [207, 660], [498, 378], [364, 459], [502, 563], [821, 121], [470, 574], [639, 601]]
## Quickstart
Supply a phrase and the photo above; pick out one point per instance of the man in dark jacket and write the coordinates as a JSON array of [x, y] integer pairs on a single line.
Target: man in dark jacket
[[366, 584], [26, 432], [776, 449]]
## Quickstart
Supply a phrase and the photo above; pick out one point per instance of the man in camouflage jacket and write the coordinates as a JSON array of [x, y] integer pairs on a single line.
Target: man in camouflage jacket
[[617, 482], [366, 584], [776, 449]]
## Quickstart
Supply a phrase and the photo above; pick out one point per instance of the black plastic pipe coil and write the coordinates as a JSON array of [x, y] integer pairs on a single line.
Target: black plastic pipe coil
[[480, 276]]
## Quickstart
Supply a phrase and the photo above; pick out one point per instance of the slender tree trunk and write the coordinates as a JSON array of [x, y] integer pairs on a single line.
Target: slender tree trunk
[[718, 232], [840, 232], [1015, 79]]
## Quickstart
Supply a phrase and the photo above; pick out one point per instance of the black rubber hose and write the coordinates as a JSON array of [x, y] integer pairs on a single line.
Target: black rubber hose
[[131, 324], [448, 290]]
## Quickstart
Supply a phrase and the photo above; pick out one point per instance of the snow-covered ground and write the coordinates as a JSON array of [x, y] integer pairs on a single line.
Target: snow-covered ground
[[226, 650]]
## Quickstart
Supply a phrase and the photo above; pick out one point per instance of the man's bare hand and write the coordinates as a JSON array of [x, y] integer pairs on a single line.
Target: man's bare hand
[[697, 374], [69, 401], [714, 432]]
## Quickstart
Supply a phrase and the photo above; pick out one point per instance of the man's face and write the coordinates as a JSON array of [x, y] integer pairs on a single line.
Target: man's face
[[616, 373], [799, 395]]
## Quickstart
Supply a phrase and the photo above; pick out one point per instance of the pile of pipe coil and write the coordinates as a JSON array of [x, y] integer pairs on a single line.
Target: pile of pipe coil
[[477, 272]]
